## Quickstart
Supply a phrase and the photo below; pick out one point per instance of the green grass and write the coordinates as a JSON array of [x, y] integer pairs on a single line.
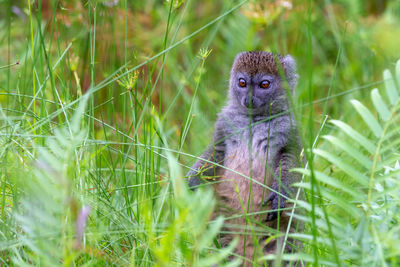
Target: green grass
[[105, 105]]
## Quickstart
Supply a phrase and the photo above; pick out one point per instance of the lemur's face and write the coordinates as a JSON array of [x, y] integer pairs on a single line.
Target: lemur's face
[[256, 79], [256, 91]]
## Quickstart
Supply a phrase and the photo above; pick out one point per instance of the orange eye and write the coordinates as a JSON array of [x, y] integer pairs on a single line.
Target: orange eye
[[242, 82], [265, 84]]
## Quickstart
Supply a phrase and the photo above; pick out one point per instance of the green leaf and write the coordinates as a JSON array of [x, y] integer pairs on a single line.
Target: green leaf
[[350, 170], [368, 118], [307, 206], [393, 146], [213, 230], [76, 118], [356, 136], [302, 236], [322, 223], [333, 198], [323, 178], [380, 105], [306, 258], [390, 87], [392, 134], [220, 256], [350, 150]]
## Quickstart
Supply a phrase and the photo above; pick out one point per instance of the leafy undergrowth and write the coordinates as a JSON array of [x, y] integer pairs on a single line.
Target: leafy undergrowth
[[104, 105], [353, 204]]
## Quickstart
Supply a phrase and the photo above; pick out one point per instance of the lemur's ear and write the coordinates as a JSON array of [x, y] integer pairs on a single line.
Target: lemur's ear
[[289, 65]]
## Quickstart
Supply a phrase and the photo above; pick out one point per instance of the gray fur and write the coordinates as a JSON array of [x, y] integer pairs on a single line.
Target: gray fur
[[255, 136]]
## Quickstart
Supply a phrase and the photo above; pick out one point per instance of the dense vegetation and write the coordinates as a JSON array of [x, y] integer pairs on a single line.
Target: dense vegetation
[[104, 106]]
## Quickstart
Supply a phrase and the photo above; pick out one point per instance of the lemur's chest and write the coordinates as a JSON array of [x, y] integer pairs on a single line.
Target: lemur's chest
[[251, 146], [250, 154]]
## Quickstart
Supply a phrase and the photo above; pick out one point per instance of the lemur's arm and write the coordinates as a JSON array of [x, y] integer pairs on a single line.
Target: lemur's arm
[[287, 158], [214, 153]]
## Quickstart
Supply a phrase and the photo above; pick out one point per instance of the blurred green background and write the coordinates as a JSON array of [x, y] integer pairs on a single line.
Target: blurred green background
[[362, 37]]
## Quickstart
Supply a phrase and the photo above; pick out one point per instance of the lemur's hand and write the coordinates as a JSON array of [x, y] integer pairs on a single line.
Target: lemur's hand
[[278, 202], [193, 179]]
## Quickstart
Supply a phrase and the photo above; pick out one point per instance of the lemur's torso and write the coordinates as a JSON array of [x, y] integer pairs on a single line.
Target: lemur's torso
[[250, 153]]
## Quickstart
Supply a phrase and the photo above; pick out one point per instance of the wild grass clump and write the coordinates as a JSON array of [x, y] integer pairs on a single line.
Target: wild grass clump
[[104, 105]]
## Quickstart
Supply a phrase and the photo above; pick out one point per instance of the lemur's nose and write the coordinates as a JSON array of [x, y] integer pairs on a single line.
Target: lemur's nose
[[249, 100]]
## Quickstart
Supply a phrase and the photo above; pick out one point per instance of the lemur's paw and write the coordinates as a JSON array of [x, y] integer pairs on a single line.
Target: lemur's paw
[[193, 180], [278, 202]]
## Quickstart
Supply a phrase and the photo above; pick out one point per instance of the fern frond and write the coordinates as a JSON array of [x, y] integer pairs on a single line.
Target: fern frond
[[48, 211], [363, 184]]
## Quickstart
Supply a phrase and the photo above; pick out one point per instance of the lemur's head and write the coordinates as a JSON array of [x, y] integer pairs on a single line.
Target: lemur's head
[[257, 77]]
